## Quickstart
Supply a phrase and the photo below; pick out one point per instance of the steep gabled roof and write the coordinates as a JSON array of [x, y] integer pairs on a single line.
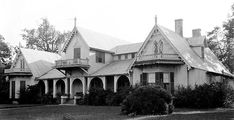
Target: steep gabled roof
[[128, 48], [95, 39], [39, 62], [210, 63], [188, 55], [114, 68], [196, 41]]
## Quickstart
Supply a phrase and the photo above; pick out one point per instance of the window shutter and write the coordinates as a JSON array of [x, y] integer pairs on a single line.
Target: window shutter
[[172, 82]]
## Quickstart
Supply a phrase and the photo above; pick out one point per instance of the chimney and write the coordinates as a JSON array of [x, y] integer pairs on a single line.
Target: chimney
[[196, 32], [179, 27]]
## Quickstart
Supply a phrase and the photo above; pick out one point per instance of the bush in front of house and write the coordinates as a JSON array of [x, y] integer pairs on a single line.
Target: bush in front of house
[[117, 98], [145, 100], [30, 95], [204, 96], [4, 92], [97, 96]]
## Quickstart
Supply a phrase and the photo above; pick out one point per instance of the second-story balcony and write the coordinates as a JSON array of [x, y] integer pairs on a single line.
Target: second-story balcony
[[18, 71], [71, 63], [159, 58]]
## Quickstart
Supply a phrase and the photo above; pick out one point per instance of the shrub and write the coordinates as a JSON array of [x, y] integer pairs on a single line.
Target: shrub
[[147, 100], [30, 95], [97, 96], [117, 98], [4, 92], [204, 96]]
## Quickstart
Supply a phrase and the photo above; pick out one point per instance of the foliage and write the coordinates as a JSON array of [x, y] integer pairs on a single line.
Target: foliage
[[116, 99], [147, 100], [4, 92], [30, 95], [221, 40], [45, 37], [97, 96], [204, 96], [5, 52]]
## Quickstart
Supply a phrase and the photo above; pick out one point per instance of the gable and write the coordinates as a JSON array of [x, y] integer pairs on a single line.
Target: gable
[[155, 41], [77, 41], [18, 63]]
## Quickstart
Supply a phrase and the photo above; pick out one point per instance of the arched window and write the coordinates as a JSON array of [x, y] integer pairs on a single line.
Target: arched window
[[158, 47]]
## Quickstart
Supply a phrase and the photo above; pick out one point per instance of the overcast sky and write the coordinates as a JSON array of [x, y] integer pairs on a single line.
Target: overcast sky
[[129, 20]]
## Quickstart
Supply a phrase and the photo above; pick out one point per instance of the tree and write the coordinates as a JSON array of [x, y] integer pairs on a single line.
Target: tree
[[45, 37], [5, 52], [221, 41]]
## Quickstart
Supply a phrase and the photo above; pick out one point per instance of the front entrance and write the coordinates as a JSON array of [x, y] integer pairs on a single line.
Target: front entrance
[[123, 82], [60, 87], [77, 87]]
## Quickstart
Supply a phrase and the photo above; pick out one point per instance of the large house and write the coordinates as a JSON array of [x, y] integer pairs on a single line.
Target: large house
[[90, 59]]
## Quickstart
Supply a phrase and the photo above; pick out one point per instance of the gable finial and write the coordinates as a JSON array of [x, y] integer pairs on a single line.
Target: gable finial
[[156, 20], [75, 22]]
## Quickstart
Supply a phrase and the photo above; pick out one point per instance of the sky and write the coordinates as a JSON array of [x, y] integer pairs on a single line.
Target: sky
[[130, 20]]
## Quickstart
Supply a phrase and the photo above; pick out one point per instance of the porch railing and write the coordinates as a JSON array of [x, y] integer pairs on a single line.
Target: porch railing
[[71, 62]]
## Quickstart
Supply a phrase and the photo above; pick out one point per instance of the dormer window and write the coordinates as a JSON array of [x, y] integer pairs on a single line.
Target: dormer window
[[100, 57]]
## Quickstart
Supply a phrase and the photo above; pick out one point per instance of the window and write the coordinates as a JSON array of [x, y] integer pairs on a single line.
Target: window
[[119, 57], [22, 85], [133, 55], [126, 56], [76, 53], [100, 57], [144, 78], [22, 64]]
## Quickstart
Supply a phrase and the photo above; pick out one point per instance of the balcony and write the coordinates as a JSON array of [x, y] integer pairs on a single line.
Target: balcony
[[159, 59], [71, 63], [18, 71]]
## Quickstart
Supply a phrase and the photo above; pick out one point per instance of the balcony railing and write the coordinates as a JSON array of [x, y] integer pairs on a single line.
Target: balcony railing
[[71, 63], [158, 57], [17, 70]]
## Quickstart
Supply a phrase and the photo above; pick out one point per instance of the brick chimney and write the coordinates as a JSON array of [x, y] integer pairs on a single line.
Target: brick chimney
[[179, 27], [196, 32]]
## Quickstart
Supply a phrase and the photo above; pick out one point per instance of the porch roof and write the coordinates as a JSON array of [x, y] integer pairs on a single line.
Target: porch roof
[[114, 68], [52, 74]]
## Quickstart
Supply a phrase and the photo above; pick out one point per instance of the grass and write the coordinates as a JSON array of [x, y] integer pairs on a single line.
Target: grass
[[98, 113], [62, 112], [224, 115]]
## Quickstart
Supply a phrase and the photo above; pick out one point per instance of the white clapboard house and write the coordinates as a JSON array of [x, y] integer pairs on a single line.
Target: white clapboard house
[[90, 59]]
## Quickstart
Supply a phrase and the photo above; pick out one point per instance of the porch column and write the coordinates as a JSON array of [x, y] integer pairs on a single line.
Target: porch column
[[71, 81], [104, 82], [10, 89], [115, 83], [88, 84], [46, 86], [66, 85], [54, 88], [84, 85]]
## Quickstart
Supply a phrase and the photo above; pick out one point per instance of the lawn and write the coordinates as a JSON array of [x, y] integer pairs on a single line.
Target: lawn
[[99, 113], [61, 112]]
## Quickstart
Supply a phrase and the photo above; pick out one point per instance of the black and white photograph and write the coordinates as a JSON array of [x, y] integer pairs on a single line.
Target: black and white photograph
[[116, 60]]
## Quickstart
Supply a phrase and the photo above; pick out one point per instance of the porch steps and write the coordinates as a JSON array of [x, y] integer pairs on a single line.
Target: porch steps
[[69, 102]]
